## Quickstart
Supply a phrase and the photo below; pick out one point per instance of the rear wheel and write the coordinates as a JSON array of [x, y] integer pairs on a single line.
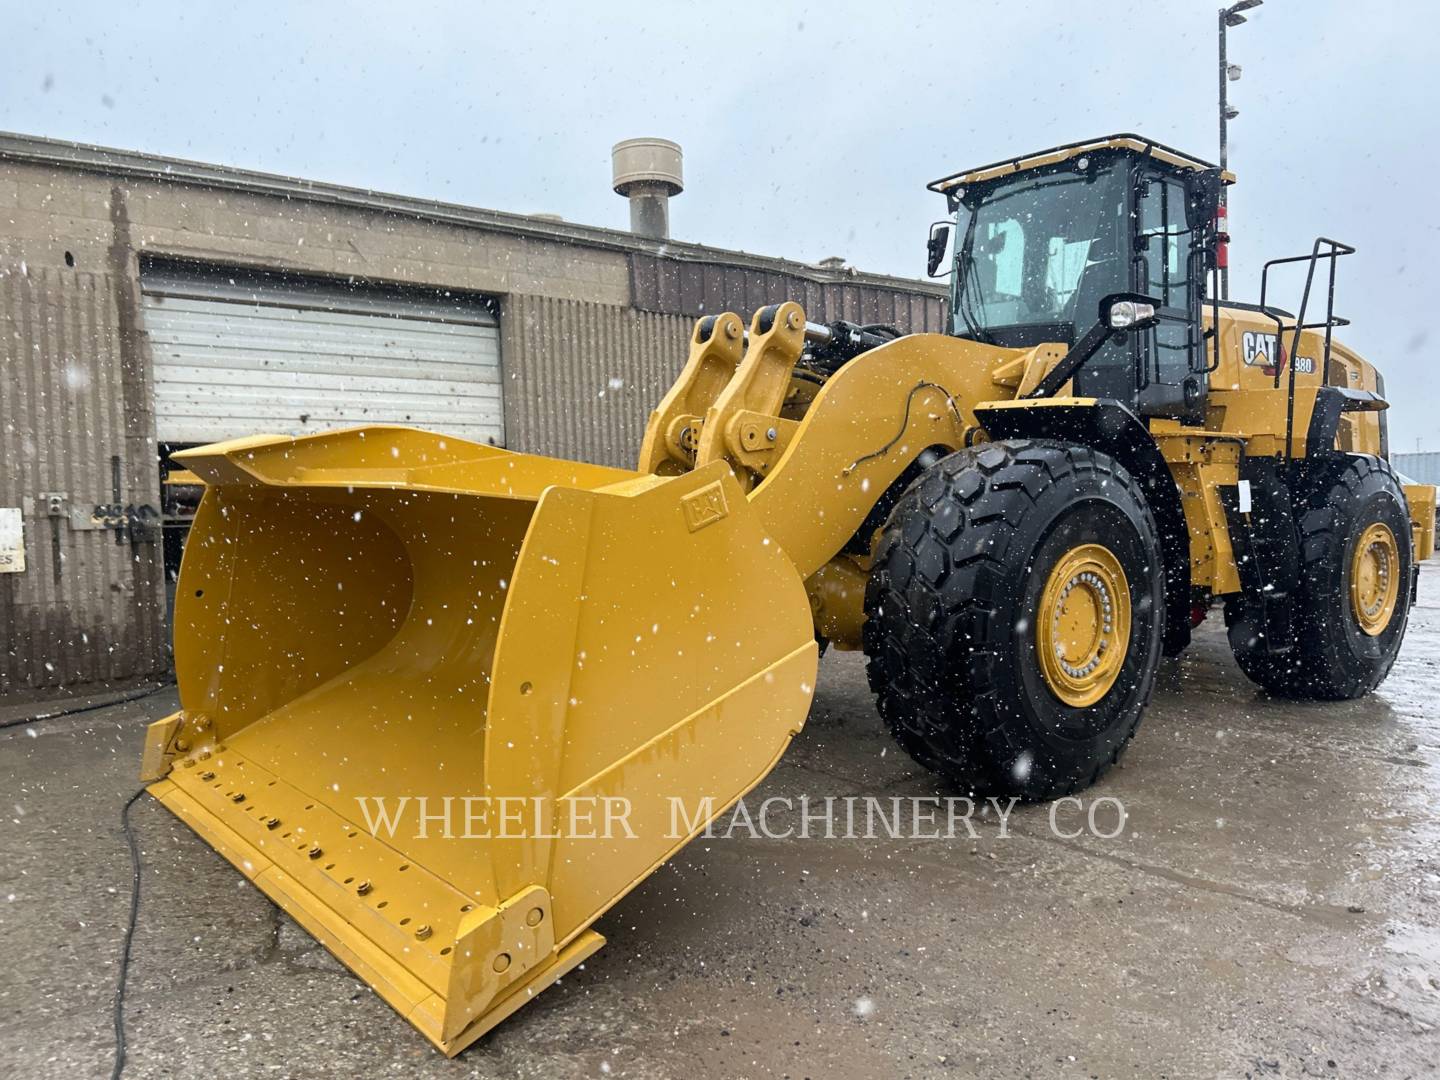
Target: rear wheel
[[1013, 617], [1278, 673], [1354, 597]]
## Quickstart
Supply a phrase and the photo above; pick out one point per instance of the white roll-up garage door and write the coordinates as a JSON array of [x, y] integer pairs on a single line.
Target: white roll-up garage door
[[242, 353]]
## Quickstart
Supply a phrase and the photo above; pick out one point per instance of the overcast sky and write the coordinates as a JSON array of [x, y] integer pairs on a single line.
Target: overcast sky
[[809, 130]]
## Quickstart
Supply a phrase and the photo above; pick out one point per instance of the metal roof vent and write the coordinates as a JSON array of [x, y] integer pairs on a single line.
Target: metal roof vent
[[648, 173]]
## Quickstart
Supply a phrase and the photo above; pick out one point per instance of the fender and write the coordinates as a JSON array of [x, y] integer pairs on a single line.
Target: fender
[[1114, 429], [1330, 403]]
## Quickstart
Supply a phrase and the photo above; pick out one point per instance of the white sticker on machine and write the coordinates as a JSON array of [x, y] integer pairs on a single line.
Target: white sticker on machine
[[12, 540]]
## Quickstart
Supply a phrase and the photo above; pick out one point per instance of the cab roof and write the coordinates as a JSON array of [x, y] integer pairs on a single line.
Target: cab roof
[[1125, 141]]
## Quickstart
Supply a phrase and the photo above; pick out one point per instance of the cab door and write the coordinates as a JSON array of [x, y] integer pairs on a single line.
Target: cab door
[[1168, 266]]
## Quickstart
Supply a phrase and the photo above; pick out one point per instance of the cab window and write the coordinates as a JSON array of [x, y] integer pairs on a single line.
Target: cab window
[[1165, 241]]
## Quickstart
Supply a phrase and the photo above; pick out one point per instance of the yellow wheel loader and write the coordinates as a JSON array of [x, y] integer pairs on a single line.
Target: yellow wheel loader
[[446, 704]]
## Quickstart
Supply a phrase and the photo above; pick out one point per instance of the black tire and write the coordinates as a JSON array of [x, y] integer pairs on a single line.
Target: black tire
[[1279, 673], [962, 564], [1334, 659]]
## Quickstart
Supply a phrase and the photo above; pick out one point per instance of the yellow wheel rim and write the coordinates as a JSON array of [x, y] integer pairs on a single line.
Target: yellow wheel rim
[[1375, 578], [1083, 628]]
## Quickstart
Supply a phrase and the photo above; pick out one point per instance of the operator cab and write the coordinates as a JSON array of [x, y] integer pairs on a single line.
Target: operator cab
[[1043, 239]]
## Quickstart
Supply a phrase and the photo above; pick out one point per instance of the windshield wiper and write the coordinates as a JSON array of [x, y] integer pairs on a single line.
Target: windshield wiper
[[962, 293]]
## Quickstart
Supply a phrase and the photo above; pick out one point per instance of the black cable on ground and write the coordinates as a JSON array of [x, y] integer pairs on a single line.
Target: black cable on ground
[[129, 935], [107, 703], [134, 860]]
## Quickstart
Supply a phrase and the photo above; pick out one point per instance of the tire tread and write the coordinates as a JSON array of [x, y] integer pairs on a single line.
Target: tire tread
[[925, 615]]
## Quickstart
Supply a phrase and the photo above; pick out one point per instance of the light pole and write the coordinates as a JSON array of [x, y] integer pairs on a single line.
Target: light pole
[[1229, 17]]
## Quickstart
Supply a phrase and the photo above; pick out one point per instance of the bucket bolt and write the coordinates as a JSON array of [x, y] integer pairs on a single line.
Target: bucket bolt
[[502, 962], [238, 797], [272, 823], [207, 775], [315, 851], [364, 887], [423, 932]]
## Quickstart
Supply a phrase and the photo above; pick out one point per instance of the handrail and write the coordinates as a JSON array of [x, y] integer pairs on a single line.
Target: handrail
[[1337, 249]]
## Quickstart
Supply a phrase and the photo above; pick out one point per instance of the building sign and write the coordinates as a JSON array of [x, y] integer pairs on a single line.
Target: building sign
[[12, 541]]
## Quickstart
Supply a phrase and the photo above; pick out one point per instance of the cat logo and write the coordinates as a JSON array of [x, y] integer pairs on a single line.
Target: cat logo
[[1258, 349], [704, 506]]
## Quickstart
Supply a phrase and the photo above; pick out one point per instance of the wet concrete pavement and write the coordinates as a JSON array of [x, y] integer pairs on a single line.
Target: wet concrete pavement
[[1270, 910]]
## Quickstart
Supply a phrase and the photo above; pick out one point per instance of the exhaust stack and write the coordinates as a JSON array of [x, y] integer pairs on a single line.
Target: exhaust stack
[[648, 173]]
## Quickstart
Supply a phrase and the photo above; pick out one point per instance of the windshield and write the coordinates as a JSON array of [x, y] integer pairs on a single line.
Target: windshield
[[1038, 253]]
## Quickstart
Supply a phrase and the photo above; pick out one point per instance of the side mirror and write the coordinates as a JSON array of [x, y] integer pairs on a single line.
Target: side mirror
[[1129, 311], [936, 246]]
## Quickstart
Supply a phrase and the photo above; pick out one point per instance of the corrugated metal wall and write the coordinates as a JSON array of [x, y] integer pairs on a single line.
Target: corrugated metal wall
[[1423, 468], [581, 378], [94, 613], [685, 287]]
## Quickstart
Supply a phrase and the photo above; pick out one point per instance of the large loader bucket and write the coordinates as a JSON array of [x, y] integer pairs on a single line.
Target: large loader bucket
[[445, 704]]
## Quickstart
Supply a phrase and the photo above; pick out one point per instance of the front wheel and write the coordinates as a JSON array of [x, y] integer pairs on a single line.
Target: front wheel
[[1013, 617]]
